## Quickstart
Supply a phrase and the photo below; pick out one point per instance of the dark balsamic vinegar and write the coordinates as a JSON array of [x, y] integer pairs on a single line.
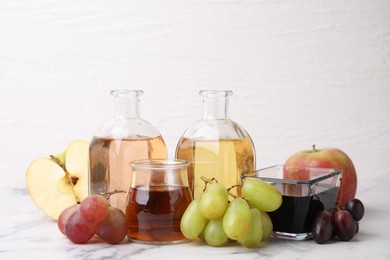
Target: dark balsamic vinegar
[[296, 214]]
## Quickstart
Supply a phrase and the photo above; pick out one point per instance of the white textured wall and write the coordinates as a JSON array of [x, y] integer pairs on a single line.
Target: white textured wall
[[302, 72]]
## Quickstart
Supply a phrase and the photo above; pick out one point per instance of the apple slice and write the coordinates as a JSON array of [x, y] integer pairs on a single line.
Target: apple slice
[[55, 184], [77, 165]]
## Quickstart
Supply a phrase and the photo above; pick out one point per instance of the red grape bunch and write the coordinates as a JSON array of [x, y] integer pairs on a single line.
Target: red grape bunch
[[79, 223], [340, 222]]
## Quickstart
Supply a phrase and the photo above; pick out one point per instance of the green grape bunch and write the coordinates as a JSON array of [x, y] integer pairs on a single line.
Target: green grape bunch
[[216, 220]]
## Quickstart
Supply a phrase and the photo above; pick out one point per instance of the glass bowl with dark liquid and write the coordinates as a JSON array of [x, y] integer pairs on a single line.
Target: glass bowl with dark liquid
[[305, 192]]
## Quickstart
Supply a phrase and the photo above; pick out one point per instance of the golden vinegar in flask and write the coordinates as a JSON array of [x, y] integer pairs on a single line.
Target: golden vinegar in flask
[[216, 146]]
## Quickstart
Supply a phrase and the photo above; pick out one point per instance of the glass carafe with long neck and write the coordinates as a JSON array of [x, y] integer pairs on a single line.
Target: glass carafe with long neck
[[117, 143], [216, 146]]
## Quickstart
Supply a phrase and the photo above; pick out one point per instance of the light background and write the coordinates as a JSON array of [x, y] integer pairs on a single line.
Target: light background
[[302, 73]]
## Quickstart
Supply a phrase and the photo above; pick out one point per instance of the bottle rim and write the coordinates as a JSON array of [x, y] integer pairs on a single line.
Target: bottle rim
[[126, 93], [215, 93]]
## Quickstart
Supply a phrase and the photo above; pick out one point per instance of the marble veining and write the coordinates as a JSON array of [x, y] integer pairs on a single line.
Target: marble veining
[[27, 233]]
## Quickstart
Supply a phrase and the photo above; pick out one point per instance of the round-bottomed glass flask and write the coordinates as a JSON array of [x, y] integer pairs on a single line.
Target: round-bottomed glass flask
[[117, 143], [216, 146]]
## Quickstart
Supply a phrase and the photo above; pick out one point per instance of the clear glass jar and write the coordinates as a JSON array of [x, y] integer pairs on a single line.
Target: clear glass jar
[[216, 146], [158, 197], [117, 143]]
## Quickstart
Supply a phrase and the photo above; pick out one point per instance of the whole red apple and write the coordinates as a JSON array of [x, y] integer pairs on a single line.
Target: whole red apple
[[327, 158]]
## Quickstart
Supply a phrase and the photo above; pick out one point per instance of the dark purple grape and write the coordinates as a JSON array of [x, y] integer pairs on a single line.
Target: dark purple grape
[[323, 227], [357, 227], [345, 225], [356, 208]]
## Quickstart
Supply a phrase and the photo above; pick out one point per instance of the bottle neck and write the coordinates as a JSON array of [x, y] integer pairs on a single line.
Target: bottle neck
[[127, 104], [216, 104]]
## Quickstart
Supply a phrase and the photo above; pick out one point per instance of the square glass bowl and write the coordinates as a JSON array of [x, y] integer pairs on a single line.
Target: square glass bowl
[[305, 192]]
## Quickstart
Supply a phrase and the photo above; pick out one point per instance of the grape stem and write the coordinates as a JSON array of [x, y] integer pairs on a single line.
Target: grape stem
[[235, 196], [207, 181], [338, 206], [231, 194], [338, 203], [109, 193]]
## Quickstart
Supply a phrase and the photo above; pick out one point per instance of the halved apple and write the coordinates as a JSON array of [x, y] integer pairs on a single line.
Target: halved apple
[[56, 183]]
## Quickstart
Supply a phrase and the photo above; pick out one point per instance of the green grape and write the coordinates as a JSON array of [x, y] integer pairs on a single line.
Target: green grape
[[214, 201], [214, 234], [267, 225], [192, 222], [237, 219], [201, 235], [254, 236], [261, 195]]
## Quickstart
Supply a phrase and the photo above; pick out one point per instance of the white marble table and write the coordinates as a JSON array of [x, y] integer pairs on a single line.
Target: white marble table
[[26, 233]]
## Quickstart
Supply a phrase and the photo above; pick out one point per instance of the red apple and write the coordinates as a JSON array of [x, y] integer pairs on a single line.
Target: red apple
[[327, 158]]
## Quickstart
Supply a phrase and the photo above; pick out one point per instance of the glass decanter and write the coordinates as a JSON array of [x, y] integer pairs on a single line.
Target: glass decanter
[[117, 143], [216, 146]]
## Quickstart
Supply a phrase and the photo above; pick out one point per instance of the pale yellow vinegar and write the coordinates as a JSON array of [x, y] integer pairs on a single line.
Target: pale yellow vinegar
[[224, 160]]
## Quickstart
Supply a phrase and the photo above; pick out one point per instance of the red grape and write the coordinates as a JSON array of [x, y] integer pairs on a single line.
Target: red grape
[[78, 229], [94, 208], [65, 214], [357, 227], [345, 225], [323, 227], [113, 229], [356, 208]]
